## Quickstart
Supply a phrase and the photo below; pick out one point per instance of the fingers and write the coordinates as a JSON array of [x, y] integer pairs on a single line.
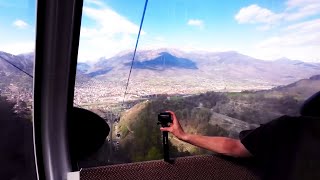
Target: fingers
[[171, 112], [174, 118], [171, 125], [169, 129]]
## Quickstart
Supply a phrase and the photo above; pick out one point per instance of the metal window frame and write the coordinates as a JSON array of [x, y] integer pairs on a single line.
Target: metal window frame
[[57, 40]]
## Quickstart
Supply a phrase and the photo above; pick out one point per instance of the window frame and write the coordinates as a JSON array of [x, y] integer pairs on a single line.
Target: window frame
[[57, 41]]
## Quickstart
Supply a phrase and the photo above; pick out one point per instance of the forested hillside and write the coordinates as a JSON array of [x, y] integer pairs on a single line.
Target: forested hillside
[[16, 147], [211, 113]]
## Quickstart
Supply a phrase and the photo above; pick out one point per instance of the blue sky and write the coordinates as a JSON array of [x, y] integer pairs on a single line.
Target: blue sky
[[266, 29]]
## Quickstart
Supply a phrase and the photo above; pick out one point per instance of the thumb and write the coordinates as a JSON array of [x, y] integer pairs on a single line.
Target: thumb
[[165, 129]]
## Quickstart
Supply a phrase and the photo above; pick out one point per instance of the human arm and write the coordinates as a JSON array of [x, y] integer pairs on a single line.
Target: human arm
[[221, 145]]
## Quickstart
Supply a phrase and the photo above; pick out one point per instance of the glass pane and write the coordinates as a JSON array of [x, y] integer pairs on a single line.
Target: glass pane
[[221, 66], [17, 32]]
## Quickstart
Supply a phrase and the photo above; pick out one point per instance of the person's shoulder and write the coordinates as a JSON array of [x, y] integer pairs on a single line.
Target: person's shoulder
[[294, 123], [295, 119], [281, 126], [285, 119]]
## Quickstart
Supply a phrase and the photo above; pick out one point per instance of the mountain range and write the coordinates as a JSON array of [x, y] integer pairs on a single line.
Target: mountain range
[[11, 76], [23, 61], [228, 69], [229, 66], [198, 71]]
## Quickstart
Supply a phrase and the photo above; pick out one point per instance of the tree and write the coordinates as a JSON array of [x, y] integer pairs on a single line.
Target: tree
[[153, 154], [16, 144]]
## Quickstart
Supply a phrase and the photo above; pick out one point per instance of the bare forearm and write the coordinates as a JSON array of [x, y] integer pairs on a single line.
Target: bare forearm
[[221, 145]]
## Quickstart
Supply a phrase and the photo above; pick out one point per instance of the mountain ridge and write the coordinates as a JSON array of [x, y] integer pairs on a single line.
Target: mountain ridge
[[219, 71], [227, 67]]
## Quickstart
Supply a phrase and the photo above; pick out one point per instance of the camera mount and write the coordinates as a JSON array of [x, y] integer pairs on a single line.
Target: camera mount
[[164, 119]]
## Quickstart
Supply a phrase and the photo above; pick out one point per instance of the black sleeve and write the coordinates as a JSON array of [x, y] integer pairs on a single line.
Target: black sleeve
[[262, 141]]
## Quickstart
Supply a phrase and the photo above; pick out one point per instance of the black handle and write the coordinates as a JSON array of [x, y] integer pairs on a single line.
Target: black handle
[[165, 142], [164, 119]]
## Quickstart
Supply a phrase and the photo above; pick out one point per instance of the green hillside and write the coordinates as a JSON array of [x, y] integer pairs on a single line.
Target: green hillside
[[211, 113]]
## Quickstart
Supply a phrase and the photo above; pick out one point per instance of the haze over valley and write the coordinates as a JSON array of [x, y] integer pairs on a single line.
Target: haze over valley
[[169, 71], [162, 71]]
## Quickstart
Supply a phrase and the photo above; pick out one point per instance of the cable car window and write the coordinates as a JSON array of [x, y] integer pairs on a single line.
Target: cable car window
[[17, 32], [222, 67]]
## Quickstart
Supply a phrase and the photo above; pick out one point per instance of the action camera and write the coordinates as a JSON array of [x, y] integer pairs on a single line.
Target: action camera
[[164, 119]]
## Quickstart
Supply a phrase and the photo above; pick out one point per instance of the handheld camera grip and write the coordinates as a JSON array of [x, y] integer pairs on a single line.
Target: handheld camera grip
[[164, 119]]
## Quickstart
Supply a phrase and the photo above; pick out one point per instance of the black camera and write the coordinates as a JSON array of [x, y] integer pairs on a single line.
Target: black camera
[[164, 119]]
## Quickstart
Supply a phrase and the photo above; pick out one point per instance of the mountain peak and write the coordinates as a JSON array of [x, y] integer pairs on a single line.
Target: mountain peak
[[165, 60], [315, 77], [287, 60]]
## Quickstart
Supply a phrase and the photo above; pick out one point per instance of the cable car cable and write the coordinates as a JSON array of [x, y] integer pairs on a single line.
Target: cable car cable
[[117, 114], [17, 67], [25, 72], [134, 53]]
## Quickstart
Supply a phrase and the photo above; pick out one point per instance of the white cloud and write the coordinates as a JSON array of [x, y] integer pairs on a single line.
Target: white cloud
[[306, 27], [18, 47], [296, 32], [295, 10], [195, 22], [96, 2], [109, 21], [307, 54], [300, 34], [20, 24], [159, 38], [297, 41], [264, 27], [298, 3], [157, 42], [255, 14], [109, 34]]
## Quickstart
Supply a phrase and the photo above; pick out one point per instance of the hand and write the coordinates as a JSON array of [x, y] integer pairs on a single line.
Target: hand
[[175, 128]]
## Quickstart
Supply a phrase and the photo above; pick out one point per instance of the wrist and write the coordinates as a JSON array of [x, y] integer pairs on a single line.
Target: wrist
[[184, 137]]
